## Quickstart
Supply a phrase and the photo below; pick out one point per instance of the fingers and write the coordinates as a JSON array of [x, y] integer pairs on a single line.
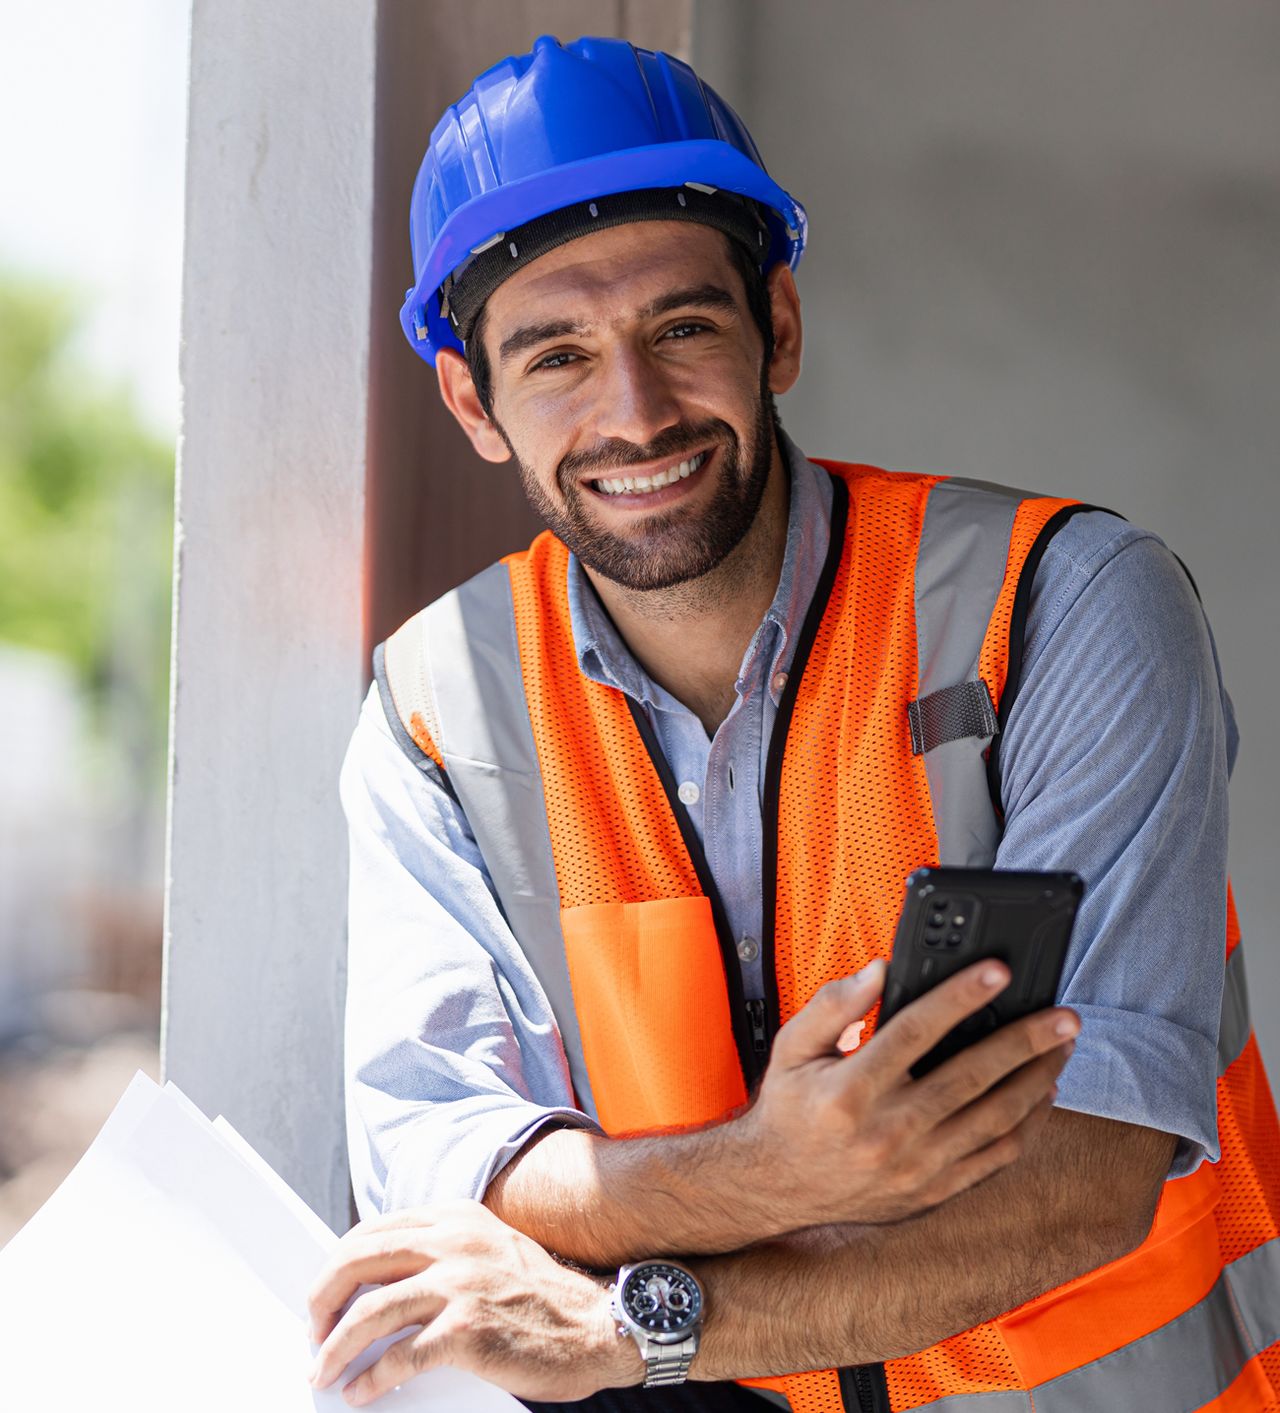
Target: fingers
[[976, 1069], [917, 1028], [412, 1355], [374, 1258], [813, 1032], [372, 1317], [985, 1162], [1003, 1110]]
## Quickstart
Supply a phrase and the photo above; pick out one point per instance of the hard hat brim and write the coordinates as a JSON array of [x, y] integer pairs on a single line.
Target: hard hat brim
[[477, 222]]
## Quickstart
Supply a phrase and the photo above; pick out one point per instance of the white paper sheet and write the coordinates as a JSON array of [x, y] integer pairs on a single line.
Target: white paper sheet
[[169, 1272]]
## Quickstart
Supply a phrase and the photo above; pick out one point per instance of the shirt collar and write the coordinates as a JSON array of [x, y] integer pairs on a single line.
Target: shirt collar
[[605, 658]]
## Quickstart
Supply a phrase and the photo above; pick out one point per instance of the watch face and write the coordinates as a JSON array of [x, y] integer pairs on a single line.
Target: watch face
[[662, 1299]]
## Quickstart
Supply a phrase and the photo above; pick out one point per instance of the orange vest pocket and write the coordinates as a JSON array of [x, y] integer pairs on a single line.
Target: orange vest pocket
[[653, 1009]]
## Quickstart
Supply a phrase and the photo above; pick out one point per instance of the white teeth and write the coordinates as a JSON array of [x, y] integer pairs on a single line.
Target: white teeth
[[642, 485]]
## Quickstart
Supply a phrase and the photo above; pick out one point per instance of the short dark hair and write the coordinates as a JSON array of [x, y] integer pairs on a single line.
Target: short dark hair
[[753, 281]]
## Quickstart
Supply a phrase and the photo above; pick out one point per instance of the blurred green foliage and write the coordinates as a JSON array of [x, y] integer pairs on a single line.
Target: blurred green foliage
[[86, 513]]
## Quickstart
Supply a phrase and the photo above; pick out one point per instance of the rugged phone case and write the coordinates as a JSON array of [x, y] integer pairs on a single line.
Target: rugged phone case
[[953, 917]]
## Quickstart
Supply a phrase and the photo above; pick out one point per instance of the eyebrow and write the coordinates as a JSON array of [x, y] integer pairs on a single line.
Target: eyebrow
[[706, 296], [532, 334]]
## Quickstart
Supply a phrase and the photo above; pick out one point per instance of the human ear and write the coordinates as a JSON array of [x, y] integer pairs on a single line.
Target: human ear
[[788, 335], [459, 395]]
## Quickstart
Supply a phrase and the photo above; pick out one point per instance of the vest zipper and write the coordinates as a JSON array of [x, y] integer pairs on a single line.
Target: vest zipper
[[862, 1389], [777, 749], [759, 1028]]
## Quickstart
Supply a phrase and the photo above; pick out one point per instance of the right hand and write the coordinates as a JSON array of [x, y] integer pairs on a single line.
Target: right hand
[[854, 1138]]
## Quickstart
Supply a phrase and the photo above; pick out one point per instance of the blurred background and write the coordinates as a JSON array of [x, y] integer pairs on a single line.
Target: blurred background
[[93, 108], [1045, 250]]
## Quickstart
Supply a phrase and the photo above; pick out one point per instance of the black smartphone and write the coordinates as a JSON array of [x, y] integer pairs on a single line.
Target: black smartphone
[[953, 917]]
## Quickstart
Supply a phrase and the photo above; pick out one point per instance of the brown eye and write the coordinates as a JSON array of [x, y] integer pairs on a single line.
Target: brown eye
[[553, 360]]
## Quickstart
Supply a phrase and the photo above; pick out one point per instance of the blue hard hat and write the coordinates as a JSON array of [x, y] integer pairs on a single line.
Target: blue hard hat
[[562, 125]]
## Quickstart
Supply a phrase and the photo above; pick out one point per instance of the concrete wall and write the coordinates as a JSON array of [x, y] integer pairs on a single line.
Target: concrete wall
[[269, 637], [323, 497], [1046, 250]]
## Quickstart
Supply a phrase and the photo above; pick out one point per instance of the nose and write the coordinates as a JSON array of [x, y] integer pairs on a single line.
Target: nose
[[634, 400]]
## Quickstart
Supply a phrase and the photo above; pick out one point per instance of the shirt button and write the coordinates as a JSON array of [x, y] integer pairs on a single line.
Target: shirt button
[[748, 949], [779, 681], [689, 792]]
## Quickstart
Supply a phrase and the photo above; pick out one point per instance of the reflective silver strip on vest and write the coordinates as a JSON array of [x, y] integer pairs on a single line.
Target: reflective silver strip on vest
[[960, 566], [1182, 1366], [1254, 1280], [473, 664], [768, 1395], [1008, 1401], [1235, 1026]]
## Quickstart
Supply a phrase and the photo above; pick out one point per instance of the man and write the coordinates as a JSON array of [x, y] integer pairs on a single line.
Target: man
[[631, 815]]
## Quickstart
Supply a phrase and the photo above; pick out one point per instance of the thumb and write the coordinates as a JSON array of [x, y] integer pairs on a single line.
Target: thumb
[[813, 1032]]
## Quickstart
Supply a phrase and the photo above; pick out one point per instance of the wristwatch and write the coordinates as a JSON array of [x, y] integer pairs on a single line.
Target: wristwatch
[[659, 1304]]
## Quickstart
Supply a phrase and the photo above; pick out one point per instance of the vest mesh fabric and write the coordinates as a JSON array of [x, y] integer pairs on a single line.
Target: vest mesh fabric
[[423, 739], [1250, 1209], [1270, 1362], [838, 897], [817, 1392], [1028, 521], [854, 817], [620, 862], [613, 835], [839, 894], [849, 835]]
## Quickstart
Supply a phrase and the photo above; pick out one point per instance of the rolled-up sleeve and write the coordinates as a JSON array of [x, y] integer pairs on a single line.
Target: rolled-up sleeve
[[1115, 764], [453, 1056]]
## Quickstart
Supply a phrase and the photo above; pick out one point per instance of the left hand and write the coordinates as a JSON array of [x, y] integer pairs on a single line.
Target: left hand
[[488, 1298]]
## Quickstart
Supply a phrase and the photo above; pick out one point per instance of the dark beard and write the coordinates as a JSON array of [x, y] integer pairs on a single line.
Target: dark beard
[[668, 547]]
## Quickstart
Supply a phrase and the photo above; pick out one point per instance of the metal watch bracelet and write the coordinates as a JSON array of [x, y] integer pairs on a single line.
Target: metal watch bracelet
[[666, 1364]]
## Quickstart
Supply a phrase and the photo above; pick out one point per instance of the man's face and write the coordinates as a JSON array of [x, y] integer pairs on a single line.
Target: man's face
[[628, 385]]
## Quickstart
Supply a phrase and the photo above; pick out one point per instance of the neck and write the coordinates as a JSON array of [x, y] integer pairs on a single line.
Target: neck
[[691, 638]]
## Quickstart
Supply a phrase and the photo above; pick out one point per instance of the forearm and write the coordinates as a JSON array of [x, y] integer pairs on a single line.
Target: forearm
[[603, 1201], [862, 1295], [830, 1137]]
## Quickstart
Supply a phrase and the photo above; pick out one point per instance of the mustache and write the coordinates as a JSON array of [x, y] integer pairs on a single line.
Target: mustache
[[617, 454]]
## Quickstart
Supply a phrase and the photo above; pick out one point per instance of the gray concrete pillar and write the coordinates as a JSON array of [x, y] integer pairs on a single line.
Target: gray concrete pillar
[[323, 496]]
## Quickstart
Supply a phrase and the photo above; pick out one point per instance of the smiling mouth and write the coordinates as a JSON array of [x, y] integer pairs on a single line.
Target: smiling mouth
[[643, 485]]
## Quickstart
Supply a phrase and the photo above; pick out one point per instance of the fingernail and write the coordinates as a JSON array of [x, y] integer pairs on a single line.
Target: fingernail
[[1066, 1026], [992, 976], [871, 969], [850, 1037]]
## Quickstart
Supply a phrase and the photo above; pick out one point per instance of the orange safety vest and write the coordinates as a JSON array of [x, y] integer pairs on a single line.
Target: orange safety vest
[[877, 765]]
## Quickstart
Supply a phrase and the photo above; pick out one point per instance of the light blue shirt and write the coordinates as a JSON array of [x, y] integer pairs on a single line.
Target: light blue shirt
[[1114, 761]]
